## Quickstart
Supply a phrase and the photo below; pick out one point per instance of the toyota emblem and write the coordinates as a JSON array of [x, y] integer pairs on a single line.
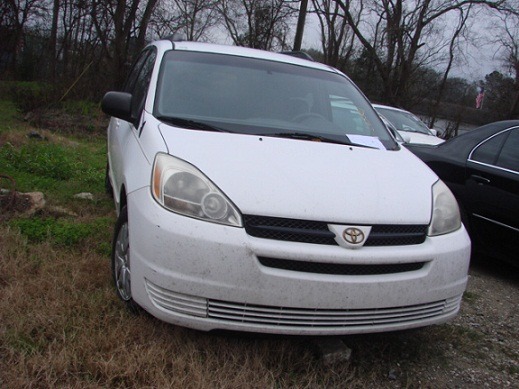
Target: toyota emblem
[[353, 235]]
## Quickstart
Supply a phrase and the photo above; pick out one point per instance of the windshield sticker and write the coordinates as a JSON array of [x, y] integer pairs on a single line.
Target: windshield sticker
[[364, 140]]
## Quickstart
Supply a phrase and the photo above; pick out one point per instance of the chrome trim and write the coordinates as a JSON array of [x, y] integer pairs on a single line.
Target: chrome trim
[[469, 158], [493, 166], [176, 302], [329, 318], [495, 222], [353, 235]]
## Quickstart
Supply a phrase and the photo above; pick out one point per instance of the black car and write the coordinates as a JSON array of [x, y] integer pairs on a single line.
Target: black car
[[481, 167]]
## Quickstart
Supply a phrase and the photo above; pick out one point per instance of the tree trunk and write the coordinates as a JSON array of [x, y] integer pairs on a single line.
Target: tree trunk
[[300, 25], [143, 28], [53, 40]]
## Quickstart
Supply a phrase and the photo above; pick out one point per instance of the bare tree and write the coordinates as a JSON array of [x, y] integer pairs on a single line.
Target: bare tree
[[394, 34], [261, 24], [509, 48], [122, 26], [15, 16], [463, 15], [337, 38], [166, 19], [192, 19], [198, 17], [300, 28], [53, 39]]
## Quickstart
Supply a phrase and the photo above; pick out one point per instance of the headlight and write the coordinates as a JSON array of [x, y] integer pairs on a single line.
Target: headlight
[[445, 212], [182, 188]]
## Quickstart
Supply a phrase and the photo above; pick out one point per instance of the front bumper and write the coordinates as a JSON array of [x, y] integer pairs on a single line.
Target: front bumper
[[207, 276]]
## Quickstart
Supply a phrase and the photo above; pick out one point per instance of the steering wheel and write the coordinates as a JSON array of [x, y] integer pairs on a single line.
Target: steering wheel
[[307, 115]]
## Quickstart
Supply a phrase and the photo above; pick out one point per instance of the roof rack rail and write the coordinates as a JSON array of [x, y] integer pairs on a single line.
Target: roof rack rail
[[299, 54]]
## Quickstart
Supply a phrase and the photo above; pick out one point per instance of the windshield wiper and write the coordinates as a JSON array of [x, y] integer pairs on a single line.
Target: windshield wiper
[[317, 138], [306, 136], [191, 124]]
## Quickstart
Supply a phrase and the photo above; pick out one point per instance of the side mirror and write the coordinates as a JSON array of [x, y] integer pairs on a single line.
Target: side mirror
[[119, 105], [434, 132]]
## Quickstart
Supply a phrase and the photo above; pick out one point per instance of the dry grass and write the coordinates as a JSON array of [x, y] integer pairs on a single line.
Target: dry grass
[[62, 326]]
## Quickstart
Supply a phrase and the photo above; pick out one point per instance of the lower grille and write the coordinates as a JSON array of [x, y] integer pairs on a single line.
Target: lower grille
[[328, 318], [296, 318], [176, 302], [339, 268], [308, 231]]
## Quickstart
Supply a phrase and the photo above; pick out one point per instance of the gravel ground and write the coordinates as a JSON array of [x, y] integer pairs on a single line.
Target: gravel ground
[[489, 319], [478, 349]]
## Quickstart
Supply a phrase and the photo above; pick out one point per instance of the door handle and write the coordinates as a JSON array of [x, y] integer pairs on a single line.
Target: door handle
[[480, 180]]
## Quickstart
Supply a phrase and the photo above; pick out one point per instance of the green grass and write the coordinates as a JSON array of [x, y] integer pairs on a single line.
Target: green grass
[[8, 113], [470, 297], [60, 167], [24, 343], [58, 170], [62, 232], [32, 95], [85, 108], [41, 159]]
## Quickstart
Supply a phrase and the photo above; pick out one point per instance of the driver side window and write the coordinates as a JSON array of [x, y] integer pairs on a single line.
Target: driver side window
[[134, 73], [139, 79]]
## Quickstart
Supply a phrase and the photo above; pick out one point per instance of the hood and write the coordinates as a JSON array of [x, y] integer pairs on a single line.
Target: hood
[[309, 180], [418, 138]]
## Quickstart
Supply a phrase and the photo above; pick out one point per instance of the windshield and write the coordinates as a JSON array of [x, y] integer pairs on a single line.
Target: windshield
[[404, 121], [254, 96]]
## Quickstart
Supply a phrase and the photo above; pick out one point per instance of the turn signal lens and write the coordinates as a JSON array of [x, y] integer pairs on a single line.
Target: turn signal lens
[[445, 213]]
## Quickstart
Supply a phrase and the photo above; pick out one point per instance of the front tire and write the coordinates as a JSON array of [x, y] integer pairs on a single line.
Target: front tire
[[121, 270]]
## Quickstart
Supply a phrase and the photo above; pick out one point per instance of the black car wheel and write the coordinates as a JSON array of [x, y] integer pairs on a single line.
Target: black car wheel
[[121, 269]]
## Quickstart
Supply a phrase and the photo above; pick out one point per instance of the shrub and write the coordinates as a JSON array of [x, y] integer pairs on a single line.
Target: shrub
[[28, 96]]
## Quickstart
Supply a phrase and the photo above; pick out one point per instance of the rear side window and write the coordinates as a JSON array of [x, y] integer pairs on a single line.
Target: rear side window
[[509, 156], [488, 151]]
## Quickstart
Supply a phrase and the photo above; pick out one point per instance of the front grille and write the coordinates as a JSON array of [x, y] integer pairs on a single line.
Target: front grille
[[307, 231], [292, 230], [297, 318], [396, 235], [340, 268]]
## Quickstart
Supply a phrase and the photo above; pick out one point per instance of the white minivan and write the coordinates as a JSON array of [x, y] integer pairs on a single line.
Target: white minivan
[[261, 192]]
